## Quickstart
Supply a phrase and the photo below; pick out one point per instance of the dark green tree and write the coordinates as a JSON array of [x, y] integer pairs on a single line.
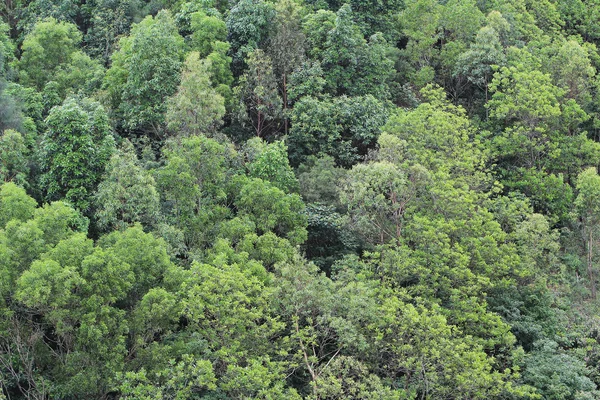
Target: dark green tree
[[145, 71], [74, 152]]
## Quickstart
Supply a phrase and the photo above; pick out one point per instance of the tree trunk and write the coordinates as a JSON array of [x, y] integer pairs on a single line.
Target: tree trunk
[[589, 264], [285, 119]]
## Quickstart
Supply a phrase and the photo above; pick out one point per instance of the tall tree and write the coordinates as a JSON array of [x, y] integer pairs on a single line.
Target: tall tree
[[344, 127], [74, 152], [587, 209], [353, 66], [196, 107], [376, 195], [145, 72], [259, 96], [287, 48]]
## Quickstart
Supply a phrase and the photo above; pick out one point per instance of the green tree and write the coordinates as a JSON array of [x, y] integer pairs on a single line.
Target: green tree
[[179, 380], [221, 75], [249, 25], [287, 48], [47, 47], [319, 180], [81, 301], [259, 96], [478, 62], [145, 72], [10, 116], [194, 196], [439, 136], [272, 210], [538, 142], [127, 193], [558, 375], [196, 107], [581, 17], [14, 204], [353, 66], [74, 152], [107, 21], [50, 53], [206, 30], [345, 128], [587, 208], [572, 70], [376, 195], [270, 163], [13, 158]]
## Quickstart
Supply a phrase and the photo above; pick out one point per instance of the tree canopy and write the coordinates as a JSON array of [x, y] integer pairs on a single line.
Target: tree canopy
[[299, 199]]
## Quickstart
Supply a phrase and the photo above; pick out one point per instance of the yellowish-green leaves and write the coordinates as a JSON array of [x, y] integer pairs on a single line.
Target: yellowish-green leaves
[[196, 107]]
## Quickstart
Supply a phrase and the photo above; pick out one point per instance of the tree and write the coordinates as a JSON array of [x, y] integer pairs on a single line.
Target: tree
[[271, 164], [320, 179], [47, 47], [587, 209], [440, 137], [74, 152], [206, 30], [196, 107], [221, 76], [127, 193], [538, 143], [13, 158], [581, 17], [14, 204], [249, 25], [376, 195], [179, 380], [145, 72], [378, 16], [272, 210], [81, 304], [343, 127], [259, 96], [10, 115], [572, 70], [287, 48], [107, 21], [50, 53], [194, 196], [558, 375], [353, 66], [433, 361], [477, 63]]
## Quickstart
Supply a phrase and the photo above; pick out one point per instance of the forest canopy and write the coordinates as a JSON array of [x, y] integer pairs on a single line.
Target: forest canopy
[[299, 199]]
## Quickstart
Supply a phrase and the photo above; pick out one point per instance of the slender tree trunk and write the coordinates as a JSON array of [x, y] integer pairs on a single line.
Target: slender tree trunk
[[259, 127], [311, 371], [285, 118], [589, 264], [487, 110]]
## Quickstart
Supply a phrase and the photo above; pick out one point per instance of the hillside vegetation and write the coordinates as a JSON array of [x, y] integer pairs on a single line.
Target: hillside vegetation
[[299, 199]]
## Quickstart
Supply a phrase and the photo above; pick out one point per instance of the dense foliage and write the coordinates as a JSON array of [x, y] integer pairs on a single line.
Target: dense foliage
[[299, 199]]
